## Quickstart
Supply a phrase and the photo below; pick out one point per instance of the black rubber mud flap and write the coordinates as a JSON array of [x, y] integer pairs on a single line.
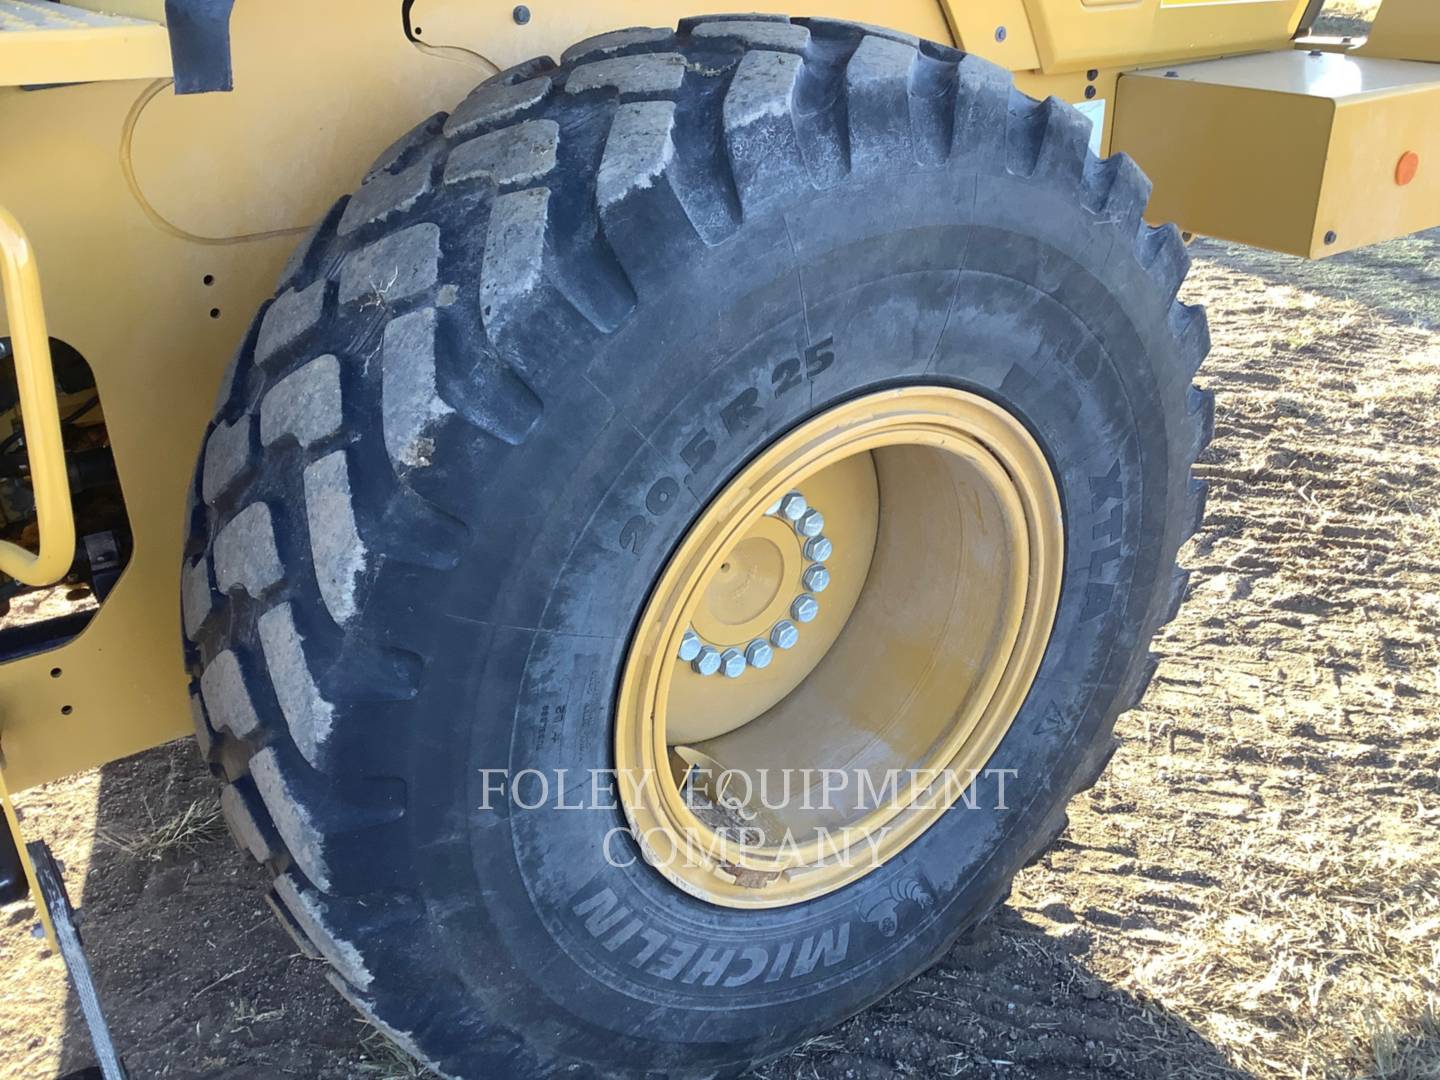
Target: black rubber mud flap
[[200, 45]]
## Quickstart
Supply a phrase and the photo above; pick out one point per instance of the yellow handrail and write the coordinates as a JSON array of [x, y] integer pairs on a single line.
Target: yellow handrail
[[30, 343]]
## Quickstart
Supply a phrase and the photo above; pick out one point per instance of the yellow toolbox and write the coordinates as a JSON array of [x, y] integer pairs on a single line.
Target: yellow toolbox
[[1306, 152]]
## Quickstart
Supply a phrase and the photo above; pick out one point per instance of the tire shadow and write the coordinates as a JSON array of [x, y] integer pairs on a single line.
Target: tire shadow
[[1009, 1000]]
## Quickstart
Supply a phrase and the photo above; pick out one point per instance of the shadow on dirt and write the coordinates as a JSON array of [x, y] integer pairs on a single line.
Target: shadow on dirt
[[197, 978], [1010, 1001], [200, 982]]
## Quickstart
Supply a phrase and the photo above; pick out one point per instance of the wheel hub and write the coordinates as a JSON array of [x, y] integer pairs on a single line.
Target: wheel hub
[[752, 589], [763, 592], [754, 593]]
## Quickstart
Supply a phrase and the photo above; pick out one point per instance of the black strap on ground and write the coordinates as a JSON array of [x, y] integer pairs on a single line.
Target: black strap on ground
[[200, 44], [62, 917]]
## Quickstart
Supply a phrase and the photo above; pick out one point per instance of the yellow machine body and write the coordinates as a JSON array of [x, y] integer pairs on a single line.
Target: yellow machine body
[[1407, 30], [1294, 151], [158, 223]]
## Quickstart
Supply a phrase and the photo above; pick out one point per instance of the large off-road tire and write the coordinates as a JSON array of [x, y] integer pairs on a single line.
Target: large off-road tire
[[494, 389]]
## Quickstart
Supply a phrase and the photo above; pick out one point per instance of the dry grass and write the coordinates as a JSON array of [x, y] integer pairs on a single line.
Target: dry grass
[[1287, 756], [1352, 9], [1320, 960], [1267, 837], [1413, 1055], [192, 828], [246, 1012], [383, 1059], [1341, 18]]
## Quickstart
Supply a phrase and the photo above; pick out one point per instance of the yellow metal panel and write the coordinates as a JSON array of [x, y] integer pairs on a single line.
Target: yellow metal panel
[[43, 43], [1072, 34], [44, 450], [1405, 30], [208, 164], [998, 30], [1072, 86], [1226, 161], [1362, 200], [1331, 76], [131, 299], [488, 32], [1281, 150]]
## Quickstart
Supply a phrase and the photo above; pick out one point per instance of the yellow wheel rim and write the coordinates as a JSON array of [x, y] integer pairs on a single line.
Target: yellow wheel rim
[[782, 731]]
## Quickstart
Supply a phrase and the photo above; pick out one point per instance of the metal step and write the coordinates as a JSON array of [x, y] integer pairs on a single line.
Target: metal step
[[22, 15], [48, 44]]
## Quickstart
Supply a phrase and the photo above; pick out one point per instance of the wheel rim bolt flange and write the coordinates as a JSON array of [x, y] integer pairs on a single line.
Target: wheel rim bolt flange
[[816, 578], [784, 634], [793, 506], [732, 663], [811, 523], [805, 608], [818, 548], [759, 653], [690, 646], [707, 661]]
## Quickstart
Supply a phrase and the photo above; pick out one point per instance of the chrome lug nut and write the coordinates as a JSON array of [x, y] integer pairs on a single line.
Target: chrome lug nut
[[773, 510], [732, 663], [690, 646], [758, 653], [811, 523], [805, 608], [707, 662], [816, 578], [818, 548], [793, 506], [785, 634]]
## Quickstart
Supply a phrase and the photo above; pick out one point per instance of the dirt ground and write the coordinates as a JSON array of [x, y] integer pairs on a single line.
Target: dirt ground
[[1253, 888]]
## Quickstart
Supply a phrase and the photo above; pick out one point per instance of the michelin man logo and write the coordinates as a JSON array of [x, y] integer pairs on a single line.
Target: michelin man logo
[[902, 898]]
